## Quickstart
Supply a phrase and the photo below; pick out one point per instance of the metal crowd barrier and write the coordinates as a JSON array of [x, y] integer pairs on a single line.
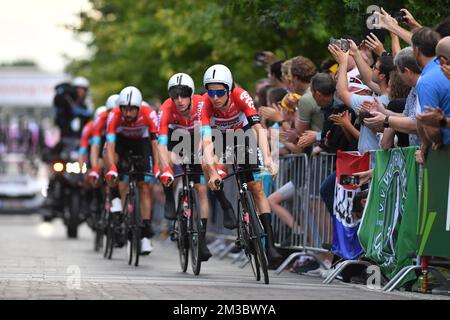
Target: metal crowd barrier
[[311, 231], [308, 209]]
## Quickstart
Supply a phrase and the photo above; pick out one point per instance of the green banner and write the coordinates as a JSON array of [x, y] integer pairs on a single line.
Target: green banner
[[388, 231], [434, 214]]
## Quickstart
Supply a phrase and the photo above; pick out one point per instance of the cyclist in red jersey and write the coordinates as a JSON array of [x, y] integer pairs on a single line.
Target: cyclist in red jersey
[[181, 114], [130, 127], [86, 138], [229, 108], [98, 140]]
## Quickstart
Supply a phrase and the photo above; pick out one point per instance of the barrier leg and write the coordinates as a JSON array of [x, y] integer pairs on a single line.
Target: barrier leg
[[341, 266], [245, 262], [226, 251], [238, 257], [287, 261], [217, 246], [391, 285]]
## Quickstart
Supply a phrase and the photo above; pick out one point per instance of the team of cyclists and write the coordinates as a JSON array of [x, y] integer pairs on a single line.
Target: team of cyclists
[[128, 125]]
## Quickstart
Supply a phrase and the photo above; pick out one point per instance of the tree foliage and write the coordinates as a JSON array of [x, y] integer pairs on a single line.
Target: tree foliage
[[143, 42]]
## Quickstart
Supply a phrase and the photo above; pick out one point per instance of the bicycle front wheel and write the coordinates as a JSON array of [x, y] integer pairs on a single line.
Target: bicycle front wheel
[[133, 228], [182, 234], [195, 229], [257, 236]]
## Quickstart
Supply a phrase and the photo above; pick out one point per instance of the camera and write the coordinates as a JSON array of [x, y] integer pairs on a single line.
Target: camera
[[349, 180], [341, 43], [399, 16], [260, 59]]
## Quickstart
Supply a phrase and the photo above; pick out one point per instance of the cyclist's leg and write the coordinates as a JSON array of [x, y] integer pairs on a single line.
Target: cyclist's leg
[[263, 206], [170, 212], [203, 200], [115, 194], [202, 193], [143, 148], [229, 217]]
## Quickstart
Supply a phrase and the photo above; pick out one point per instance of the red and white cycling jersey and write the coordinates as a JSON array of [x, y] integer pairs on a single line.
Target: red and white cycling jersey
[[239, 114], [86, 135], [99, 128], [171, 119], [145, 125]]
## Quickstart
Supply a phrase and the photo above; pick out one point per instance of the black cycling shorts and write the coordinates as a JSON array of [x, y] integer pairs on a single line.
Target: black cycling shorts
[[186, 154], [137, 147], [244, 151]]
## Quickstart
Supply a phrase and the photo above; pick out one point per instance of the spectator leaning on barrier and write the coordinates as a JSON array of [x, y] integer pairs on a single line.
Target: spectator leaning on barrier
[[320, 98], [312, 107], [432, 88]]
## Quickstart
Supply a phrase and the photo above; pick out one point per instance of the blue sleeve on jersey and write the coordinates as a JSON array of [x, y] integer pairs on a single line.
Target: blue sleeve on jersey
[[96, 140], [163, 139], [206, 131], [110, 137], [82, 151]]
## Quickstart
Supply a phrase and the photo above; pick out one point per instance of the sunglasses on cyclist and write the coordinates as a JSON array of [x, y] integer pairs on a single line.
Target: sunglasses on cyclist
[[180, 91], [218, 93]]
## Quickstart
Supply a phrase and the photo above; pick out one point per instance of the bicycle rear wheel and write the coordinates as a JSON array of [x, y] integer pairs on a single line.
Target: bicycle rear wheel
[[182, 234], [257, 236], [109, 236], [195, 229], [248, 244], [133, 228]]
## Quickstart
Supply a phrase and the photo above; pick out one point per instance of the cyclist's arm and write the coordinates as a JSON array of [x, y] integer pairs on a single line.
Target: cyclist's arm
[[247, 106], [261, 136], [111, 127], [110, 153], [155, 153], [96, 141], [84, 143], [208, 159], [153, 129], [163, 138]]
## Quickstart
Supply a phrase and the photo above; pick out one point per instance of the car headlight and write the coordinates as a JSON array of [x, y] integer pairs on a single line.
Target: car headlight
[[58, 167], [73, 167]]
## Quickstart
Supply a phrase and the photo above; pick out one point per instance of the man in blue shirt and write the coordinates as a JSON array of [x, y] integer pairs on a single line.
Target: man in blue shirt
[[433, 88]]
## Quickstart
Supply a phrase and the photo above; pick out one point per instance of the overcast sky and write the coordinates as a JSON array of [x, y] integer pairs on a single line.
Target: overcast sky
[[34, 30]]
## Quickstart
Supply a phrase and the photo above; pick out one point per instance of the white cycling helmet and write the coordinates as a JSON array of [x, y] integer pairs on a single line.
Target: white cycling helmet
[[99, 110], [181, 79], [218, 73], [112, 101], [80, 82], [130, 96]]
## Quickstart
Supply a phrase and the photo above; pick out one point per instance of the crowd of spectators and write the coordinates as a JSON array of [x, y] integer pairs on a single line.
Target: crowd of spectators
[[363, 98]]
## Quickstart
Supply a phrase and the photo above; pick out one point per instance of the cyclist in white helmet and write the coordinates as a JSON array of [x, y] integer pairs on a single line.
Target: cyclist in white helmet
[[130, 127], [230, 108], [181, 113], [99, 138]]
